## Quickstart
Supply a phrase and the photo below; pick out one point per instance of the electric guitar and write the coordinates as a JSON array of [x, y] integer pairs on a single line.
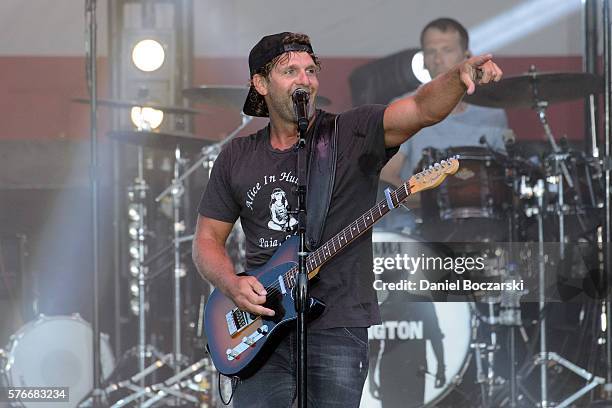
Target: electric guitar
[[239, 342]]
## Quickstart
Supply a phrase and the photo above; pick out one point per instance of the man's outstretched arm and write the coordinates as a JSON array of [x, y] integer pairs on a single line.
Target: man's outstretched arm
[[435, 100]]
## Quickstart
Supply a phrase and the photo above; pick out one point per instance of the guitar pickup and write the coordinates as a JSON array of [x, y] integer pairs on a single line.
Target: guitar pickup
[[237, 320]]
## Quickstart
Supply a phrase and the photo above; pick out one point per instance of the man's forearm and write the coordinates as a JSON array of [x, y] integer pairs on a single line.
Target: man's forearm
[[438, 98], [214, 264]]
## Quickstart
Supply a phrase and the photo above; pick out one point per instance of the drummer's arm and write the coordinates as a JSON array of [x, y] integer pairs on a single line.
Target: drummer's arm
[[435, 100], [391, 173]]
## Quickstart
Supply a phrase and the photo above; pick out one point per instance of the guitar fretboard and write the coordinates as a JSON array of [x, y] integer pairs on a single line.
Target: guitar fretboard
[[339, 241]]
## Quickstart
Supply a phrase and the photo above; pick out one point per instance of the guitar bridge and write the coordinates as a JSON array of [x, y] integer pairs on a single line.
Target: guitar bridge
[[237, 320], [249, 341]]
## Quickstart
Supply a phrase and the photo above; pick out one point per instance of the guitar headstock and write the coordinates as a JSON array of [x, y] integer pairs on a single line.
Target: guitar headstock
[[433, 176]]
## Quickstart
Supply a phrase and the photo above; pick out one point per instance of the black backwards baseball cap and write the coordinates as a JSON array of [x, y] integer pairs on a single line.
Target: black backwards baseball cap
[[268, 48]]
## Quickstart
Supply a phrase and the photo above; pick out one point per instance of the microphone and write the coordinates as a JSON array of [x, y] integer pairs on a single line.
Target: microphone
[[300, 105]]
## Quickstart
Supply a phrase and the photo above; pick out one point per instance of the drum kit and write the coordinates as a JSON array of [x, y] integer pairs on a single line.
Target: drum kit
[[530, 212], [503, 190]]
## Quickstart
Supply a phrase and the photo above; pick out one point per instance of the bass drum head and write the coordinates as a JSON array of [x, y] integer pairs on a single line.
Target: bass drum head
[[402, 360], [56, 352]]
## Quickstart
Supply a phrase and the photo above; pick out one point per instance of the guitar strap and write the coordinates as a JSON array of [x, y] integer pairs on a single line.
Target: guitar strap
[[321, 175]]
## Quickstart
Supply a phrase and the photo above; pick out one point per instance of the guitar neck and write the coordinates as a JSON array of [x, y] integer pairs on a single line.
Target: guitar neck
[[355, 229], [428, 178], [339, 241]]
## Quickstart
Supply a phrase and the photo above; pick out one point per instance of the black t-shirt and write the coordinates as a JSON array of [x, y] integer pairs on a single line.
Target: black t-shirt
[[256, 182]]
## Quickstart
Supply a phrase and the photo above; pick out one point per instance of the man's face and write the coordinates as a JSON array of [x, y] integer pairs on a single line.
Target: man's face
[[442, 50], [296, 71]]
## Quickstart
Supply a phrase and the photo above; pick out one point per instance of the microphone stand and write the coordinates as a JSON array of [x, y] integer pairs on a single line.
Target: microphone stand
[[301, 289], [608, 210], [91, 46]]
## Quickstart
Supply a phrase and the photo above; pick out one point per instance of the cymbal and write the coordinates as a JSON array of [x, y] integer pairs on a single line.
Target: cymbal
[[229, 96], [523, 90], [115, 103], [161, 140]]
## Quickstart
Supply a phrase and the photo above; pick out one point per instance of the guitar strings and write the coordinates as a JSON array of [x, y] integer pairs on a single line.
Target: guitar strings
[[275, 288]]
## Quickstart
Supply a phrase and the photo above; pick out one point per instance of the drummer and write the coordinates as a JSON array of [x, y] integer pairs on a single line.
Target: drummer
[[444, 42]]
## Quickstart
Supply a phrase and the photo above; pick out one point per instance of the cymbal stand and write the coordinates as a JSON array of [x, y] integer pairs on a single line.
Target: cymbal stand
[[208, 153], [561, 170], [137, 194], [173, 386], [607, 160], [179, 271], [176, 189], [537, 191], [544, 357]]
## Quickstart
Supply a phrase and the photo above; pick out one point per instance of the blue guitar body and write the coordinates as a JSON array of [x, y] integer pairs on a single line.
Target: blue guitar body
[[238, 342]]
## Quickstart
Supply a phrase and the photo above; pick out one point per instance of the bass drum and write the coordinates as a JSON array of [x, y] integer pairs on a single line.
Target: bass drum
[[56, 352], [403, 364], [415, 338]]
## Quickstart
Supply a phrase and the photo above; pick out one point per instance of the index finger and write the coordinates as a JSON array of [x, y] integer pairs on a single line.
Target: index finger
[[263, 311], [480, 60]]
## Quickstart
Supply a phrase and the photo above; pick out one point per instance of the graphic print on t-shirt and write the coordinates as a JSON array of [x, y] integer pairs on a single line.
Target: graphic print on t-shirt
[[271, 200], [280, 219]]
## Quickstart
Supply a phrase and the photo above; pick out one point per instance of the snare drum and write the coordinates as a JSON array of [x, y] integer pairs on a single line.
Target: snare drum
[[477, 190], [56, 352]]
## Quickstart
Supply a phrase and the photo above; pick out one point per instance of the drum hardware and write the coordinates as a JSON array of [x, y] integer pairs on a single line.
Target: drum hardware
[[562, 173], [116, 103], [544, 357], [519, 91], [487, 381], [141, 392], [537, 90], [190, 379], [552, 360], [207, 153], [162, 140], [150, 394], [175, 386], [137, 194], [487, 377]]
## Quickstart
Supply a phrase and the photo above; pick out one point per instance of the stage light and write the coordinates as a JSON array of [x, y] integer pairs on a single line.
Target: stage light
[[133, 230], [418, 68], [148, 55], [146, 118], [134, 288], [134, 306], [134, 212], [134, 250], [134, 268]]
